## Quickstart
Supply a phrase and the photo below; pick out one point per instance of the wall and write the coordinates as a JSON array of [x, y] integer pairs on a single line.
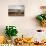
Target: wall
[[26, 25]]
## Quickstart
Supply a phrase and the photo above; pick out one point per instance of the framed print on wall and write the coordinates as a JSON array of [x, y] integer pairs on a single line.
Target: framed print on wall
[[16, 10]]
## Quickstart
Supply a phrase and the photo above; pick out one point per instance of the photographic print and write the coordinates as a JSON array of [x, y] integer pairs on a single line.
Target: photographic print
[[16, 10]]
